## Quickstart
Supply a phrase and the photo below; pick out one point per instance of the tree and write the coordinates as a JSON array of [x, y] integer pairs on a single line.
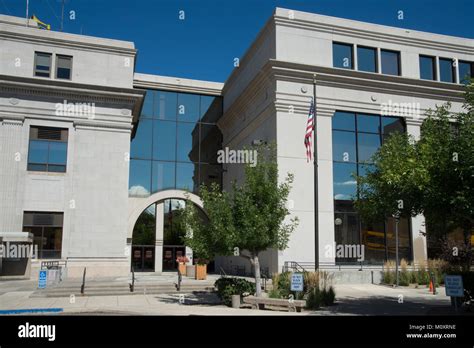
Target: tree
[[253, 217], [432, 176]]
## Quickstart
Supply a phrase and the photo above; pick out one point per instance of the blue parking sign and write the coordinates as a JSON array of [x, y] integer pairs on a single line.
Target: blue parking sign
[[42, 279]]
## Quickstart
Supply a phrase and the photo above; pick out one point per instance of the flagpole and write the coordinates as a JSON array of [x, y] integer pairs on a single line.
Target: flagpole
[[315, 167]]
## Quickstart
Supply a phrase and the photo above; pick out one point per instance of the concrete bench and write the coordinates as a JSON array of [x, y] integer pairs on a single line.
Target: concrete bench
[[261, 302]]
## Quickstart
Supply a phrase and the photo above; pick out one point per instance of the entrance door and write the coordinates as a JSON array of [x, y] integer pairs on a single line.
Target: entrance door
[[170, 254], [143, 258]]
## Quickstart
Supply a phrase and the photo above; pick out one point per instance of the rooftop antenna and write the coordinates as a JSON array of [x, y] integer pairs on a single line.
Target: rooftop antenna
[[27, 6], [63, 2]]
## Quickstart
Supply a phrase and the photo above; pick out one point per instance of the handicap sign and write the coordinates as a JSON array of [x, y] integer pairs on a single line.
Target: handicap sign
[[42, 279], [454, 286], [296, 282]]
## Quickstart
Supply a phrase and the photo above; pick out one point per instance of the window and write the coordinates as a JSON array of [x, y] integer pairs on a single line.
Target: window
[[446, 70], [366, 59], [47, 229], [427, 68], [342, 56], [42, 64], [63, 67], [466, 71], [390, 62], [47, 149], [355, 138]]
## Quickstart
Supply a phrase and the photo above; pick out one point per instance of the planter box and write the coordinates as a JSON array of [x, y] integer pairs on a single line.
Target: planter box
[[182, 268], [201, 272]]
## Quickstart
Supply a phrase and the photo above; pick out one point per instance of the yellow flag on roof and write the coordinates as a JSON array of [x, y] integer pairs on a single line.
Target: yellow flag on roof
[[41, 25]]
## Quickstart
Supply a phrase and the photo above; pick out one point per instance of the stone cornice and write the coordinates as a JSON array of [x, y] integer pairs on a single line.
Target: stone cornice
[[377, 83], [35, 36], [31, 87], [363, 30], [177, 84]]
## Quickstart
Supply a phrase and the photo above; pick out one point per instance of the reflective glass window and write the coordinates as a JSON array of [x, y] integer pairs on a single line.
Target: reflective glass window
[[342, 55], [367, 145], [345, 186], [446, 70], [466, 71], [188, 107], [164, 140], [427, 68], [163, 176], [368, 123], [390, 62], [366, 59], [343, 121], [344, 146]]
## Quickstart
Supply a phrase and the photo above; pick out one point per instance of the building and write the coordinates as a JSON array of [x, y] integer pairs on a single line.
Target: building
[[92, 151]]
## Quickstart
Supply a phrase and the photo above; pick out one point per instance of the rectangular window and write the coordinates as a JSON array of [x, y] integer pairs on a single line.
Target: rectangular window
[[390, 62], [47, 229], [466, 71], [446, 70], [63, 67], [42, 64], [427, 68], [342, 55], [366, 59], [47, 149]]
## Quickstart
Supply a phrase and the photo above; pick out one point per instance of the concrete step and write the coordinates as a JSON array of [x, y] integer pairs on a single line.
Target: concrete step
[[120, 289]]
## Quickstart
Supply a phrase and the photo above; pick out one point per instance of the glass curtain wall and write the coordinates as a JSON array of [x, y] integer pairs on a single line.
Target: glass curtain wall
[[175, 144], [356, 137]]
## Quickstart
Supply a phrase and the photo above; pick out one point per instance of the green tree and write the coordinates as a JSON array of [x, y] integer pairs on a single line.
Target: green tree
[[433, 176], [249, 219]]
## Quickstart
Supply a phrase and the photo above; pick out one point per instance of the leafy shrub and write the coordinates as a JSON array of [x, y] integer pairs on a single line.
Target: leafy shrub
[[228, 286]]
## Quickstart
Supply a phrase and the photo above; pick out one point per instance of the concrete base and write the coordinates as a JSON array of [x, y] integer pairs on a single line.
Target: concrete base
[[356, 277], [95, 268]]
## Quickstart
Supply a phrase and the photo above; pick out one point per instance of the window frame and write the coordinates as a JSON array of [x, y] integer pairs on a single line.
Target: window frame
[[43, 227], [48, 141], [460, 78], [352, 67], [376, 60], [56, 67], [453, 69], [399, 61], [434, 68], [35, 70]]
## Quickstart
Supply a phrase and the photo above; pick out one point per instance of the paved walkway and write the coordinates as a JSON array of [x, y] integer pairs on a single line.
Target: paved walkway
[[363, 299]]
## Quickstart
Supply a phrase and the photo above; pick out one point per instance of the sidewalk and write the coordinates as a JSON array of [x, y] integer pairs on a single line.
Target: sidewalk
[[360, 299]]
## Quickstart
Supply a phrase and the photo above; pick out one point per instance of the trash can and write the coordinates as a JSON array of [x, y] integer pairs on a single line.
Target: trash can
[[235, 301]]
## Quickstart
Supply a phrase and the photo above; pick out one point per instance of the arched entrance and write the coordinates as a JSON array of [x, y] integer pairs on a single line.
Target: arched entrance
[[156, 231]]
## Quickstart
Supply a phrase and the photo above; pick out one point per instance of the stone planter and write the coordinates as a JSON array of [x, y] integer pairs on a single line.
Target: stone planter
[[201, 272], [182, 268], [190, 271]]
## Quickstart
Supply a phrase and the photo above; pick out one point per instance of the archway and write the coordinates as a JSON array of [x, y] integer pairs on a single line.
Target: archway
[[155, 233]]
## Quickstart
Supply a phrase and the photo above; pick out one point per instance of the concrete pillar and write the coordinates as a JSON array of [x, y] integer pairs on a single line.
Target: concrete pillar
[[159, 214], [325, 186], [418, 228]]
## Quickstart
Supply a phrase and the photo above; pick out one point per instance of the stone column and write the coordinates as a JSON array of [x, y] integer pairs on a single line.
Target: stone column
[[325, 186], [159, 237], [418, 228]]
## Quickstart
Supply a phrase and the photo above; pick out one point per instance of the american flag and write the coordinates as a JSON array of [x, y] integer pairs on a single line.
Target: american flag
[[309, 131]]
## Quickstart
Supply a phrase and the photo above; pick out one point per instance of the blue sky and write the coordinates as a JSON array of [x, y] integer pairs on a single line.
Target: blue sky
[[214, 32]]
